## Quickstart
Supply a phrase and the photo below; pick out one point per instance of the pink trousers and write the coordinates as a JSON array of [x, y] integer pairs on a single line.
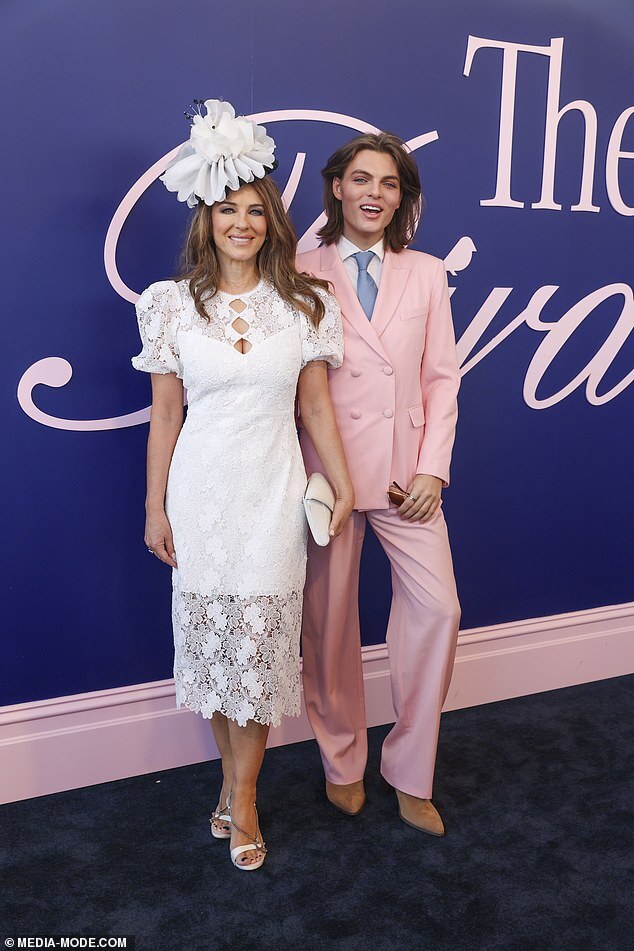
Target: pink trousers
[[421, 639]]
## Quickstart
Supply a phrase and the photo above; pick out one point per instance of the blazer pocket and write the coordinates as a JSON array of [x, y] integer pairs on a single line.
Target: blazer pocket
[[418, 312], [417, 415]]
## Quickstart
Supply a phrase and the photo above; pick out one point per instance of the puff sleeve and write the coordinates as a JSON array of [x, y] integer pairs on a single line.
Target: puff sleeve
[[158, 310], [326, 341]]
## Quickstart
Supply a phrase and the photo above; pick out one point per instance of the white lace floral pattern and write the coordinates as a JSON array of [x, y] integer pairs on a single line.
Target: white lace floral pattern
[[158, 310], [234, 493], [239, 656], [166, 309]]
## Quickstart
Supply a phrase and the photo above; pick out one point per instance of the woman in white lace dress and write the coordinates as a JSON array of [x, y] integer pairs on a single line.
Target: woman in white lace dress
[[242, 332]]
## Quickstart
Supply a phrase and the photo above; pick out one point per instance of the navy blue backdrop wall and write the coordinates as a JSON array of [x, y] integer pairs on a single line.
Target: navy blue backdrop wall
[[540, 507]]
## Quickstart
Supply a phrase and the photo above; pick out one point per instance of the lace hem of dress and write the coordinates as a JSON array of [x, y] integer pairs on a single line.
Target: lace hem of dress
[[238, 655], [286, 707]]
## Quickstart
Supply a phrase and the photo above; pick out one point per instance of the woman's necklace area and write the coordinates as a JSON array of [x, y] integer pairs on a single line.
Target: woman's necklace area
[[231, 288]]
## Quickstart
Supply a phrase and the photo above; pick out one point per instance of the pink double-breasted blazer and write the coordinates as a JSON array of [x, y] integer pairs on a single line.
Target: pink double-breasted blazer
[[395, 394]]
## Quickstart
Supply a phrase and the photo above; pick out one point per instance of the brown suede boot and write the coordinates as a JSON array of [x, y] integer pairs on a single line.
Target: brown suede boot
[[420, 814], [349, 799]]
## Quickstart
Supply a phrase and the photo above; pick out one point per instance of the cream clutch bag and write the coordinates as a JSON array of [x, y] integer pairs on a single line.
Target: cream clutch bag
[[319, 503]]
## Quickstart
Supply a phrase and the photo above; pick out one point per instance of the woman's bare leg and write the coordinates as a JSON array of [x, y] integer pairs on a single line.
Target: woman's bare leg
[[247, 748], [220, 730]]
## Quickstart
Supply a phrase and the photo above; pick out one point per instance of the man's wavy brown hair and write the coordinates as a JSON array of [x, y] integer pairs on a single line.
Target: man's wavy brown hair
[[402, 228], [275, 262]]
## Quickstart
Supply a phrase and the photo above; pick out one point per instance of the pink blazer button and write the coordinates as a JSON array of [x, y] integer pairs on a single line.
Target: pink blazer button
[[388, 413], [355, 372], [388, 371], [355, 413]]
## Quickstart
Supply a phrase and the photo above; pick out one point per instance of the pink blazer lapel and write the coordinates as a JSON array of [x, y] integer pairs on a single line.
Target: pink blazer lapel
[[394, 275], [346, 295]]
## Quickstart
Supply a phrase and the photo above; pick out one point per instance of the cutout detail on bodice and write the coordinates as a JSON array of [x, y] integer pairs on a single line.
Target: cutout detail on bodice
[[246, 321], [241, 327]]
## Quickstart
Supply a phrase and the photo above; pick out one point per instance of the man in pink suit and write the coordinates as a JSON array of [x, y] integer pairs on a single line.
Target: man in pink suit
[[395, 403]]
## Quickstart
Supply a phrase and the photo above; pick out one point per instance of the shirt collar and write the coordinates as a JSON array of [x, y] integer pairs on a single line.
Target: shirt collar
[[346, 248]]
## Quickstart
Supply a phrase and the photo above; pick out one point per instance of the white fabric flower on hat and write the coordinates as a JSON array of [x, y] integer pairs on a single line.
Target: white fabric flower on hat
[[224, 151]]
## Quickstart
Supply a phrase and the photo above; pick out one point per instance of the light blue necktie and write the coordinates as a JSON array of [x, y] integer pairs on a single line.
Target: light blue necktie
[[366, 288]]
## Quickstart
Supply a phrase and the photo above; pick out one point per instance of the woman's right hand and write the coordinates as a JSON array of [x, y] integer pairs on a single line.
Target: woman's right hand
[[158, 537]]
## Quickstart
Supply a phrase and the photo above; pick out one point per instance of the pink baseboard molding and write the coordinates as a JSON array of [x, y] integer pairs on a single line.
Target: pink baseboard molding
[[68, 742]]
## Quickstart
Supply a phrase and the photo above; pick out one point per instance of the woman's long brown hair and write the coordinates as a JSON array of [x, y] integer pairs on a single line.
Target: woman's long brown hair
[[402, 228], [276, 258]]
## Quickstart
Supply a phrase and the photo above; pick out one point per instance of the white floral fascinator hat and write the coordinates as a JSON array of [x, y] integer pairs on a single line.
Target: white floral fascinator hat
[[224, 151]]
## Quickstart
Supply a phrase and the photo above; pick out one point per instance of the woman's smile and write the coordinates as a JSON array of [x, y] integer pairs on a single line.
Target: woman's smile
[[239, 226]]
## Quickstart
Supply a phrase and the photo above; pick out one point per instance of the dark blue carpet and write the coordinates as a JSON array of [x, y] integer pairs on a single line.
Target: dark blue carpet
[[536, 794]]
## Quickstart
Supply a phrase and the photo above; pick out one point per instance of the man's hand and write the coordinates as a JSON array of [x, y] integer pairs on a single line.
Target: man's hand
[[423, 499]]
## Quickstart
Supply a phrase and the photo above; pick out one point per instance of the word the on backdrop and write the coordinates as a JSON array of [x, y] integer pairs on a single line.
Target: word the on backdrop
[[554, 113]]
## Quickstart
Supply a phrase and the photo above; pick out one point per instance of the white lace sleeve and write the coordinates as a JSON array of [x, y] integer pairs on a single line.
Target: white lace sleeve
[[326, 341], [157, 311]]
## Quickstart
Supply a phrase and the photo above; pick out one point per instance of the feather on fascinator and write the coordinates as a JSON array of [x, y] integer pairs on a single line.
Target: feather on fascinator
[[223, 151]]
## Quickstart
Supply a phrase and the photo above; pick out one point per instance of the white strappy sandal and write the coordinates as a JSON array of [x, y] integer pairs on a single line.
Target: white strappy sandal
[[222, 814], [256, 845]]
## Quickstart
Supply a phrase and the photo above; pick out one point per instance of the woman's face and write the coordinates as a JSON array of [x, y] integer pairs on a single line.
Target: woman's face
[[238, 226]]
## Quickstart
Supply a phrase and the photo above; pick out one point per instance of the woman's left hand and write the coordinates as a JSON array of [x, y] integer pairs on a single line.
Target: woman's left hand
[[318, 419], [423, 499], [341, 514]]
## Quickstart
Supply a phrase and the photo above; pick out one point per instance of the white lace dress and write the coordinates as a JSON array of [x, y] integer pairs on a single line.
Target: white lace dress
[[234, 493]]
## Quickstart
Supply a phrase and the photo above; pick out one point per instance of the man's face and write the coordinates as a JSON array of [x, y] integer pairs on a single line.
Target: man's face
[[370, 193]]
